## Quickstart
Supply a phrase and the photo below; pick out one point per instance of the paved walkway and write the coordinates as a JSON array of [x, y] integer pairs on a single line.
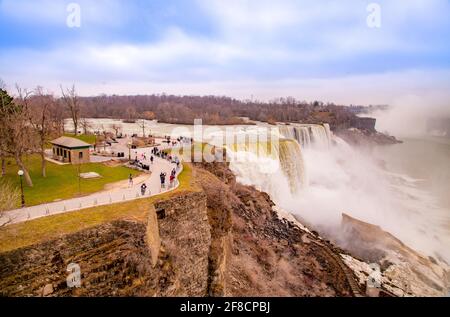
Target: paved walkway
[[122, 192]]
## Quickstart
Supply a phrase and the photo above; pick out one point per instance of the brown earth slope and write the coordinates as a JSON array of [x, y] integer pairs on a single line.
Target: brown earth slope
[[255, 253]]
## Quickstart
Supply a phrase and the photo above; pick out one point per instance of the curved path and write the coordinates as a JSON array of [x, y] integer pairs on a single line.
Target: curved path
[[120, 192]]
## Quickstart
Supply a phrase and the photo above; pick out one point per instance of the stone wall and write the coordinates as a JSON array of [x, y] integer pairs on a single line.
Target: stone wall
[[185, 234]]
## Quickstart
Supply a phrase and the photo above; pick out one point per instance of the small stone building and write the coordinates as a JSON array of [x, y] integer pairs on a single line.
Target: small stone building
[[70, 150]]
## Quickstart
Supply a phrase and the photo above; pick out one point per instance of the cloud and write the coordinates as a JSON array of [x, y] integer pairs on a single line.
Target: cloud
[[54, 12], [285, 48]]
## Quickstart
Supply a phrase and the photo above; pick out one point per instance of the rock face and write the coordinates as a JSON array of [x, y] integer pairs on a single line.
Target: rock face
[[254, 252], [404, 272], [365, 124], [359, 137], [186, 238]]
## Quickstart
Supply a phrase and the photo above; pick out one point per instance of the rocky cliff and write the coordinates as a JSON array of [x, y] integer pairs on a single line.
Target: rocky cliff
[[255, 252], [362, 137]]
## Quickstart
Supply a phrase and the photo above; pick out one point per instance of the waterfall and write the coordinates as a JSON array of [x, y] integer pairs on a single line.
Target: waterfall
[[291, 160], [278, 167], [308, 135], [274, 167], [320, 136]]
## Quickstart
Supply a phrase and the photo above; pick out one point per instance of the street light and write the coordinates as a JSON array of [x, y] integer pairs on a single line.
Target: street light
[[20, 173], [129, 150]]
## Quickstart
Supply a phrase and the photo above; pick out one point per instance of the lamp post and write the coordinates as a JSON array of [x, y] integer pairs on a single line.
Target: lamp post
[[129, 150], [20, 173]]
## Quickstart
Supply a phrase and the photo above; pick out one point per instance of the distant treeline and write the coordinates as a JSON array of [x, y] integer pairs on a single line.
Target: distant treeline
[[216, 110]]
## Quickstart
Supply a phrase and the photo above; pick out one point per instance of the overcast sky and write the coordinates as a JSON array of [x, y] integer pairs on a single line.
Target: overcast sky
[[317, 49]]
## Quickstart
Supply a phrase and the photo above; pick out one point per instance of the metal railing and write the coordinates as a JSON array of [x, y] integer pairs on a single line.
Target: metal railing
[[75, 204]]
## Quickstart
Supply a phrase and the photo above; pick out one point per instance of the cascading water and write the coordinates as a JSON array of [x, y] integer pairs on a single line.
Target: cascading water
[[340, 179], [278, 167], [274, 167], [291, 160], [310, 135]]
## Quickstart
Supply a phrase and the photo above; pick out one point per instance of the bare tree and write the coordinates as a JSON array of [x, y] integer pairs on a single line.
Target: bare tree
[[16, 135], [142, 125], [38, 110], [130, 114], [72, 103], [58, 117], [117, 128], [85, 125]]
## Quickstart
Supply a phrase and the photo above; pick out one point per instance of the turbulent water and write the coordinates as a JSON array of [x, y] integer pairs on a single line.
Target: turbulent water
[[336, 178], [269, 166], [308, 135]]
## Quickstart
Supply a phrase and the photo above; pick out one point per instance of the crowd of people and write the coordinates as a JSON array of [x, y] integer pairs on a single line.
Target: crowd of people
[[141, 161]]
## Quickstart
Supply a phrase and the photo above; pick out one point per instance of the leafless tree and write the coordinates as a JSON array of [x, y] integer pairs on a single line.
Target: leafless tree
[[117, 128], [16, 134], [39, 112], [85, 125], [72, 103], [130, 114], [142, 124], [58, 117]]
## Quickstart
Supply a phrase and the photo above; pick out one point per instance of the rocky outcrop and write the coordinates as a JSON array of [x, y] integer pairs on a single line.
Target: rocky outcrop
[[255, 252], [186, 237], [403, 271], [360, 137], [363, 123]]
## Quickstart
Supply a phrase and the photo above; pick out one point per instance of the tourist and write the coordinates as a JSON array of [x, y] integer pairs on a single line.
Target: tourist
[[143, 189], [151, 159], [162, 177], [172, 179], [130, 180]]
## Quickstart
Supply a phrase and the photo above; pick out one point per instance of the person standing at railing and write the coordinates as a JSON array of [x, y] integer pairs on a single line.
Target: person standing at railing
[[162, 177], [130, 180], [143, 189]]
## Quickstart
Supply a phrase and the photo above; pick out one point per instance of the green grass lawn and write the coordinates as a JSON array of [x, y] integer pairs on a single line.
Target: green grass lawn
[[62, 181], [47, 228], [88, 138]]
